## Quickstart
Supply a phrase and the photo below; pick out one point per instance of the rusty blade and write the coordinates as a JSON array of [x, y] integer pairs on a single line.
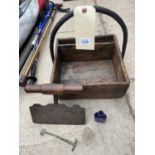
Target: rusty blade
[[58, 114]]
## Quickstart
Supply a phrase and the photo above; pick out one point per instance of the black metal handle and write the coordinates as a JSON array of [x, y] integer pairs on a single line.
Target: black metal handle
[[99, 10], [25, 57]]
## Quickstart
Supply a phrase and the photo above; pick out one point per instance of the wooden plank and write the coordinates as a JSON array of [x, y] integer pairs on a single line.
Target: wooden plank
[[102, 51], [88, 71], [55, 77], [121, 73], [98, 39], [100, 91]]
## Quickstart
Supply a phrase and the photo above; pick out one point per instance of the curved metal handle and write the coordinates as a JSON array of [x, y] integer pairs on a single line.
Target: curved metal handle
[[99, 10]]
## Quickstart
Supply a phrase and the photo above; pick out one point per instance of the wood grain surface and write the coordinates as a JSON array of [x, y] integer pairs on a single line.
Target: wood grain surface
[[101, 71]]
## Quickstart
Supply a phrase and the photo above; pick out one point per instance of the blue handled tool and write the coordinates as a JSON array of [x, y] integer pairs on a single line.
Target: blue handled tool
[[43, 22], [32, 79], [35, 41]]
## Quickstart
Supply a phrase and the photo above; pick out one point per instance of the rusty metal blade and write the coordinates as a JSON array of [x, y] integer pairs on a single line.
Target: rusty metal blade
[[58, 114]]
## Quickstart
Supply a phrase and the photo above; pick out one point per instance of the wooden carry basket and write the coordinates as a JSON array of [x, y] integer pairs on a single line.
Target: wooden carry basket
[[80, 74]]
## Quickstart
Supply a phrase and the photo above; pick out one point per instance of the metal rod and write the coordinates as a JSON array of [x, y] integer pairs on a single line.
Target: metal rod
[[43, 132], [25, 56], [32, 78]]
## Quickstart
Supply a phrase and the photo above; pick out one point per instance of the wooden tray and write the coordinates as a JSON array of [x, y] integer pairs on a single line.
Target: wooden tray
[[101, 71]]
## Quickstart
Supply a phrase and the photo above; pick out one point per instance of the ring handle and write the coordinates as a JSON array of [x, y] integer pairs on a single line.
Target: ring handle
[[99, 9]]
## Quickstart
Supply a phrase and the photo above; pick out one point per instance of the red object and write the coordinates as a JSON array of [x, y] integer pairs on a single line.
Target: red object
[[42, 4]]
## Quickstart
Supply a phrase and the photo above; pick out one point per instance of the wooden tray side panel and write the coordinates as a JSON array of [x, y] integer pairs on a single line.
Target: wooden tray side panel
[[98, 39], [100, 91], [119, 67], [56, 71], [101, 52]]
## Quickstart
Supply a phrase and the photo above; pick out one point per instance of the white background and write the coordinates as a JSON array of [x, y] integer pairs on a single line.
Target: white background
[[145, 78]]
